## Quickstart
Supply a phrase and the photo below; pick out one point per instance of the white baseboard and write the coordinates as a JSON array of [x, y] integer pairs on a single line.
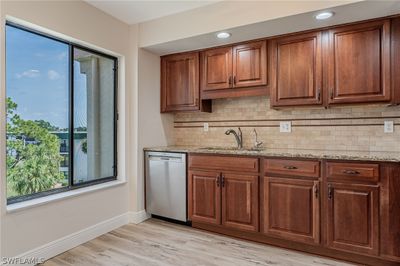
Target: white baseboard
[[63, 244], [138, 217]]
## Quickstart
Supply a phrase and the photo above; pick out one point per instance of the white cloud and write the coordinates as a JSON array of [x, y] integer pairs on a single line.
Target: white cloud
[[53, 75], [61, 56], [31, 73]]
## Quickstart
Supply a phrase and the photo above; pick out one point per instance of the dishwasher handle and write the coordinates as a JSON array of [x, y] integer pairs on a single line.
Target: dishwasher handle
[[167, 158]]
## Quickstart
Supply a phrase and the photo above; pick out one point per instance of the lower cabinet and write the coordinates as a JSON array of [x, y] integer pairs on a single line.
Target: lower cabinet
[[205, 197], [224, 199], [343, 209], [240, 201], [353, 218], [292, 209]]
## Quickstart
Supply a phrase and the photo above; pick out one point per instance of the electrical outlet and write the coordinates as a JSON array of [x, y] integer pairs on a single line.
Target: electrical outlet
[[388, 127], [285, 126], [205, 127]]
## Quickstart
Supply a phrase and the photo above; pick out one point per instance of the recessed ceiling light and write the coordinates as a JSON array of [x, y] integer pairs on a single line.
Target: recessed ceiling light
[[324, 15], [223, 35]]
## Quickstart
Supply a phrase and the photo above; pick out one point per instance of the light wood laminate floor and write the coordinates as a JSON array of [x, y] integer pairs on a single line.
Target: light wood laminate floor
[[156, 242]]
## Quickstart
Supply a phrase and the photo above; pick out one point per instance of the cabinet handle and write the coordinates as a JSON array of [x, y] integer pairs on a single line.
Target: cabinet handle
[[290, 167], [319, 95], [217, 179], [316, 191], [230, 80], [223, 181], [331, 94], [350, 172], [330, 192], [234, 80]]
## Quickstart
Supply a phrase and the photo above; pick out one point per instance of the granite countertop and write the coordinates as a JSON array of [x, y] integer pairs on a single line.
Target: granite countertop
[[290, 153]]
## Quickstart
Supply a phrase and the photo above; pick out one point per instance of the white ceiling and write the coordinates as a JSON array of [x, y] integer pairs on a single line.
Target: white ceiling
[[305, 21], [133, 11]]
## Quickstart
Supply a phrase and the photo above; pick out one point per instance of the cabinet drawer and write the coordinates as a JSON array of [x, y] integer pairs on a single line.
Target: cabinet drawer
[[224, 163], [292, 167], [352, 171]]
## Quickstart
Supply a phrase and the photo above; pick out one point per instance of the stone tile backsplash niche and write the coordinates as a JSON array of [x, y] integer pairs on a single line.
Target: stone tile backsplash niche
[[338, 128]]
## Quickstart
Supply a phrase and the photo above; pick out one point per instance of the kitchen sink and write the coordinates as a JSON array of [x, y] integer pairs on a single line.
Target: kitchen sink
[[230, 149], [220, 148]]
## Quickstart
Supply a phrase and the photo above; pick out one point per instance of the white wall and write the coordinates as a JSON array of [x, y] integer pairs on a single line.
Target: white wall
[[224, 15], [155, 129], [28, 229]]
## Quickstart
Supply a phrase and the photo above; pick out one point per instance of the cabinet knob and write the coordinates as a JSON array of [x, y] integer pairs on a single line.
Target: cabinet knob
[[330, 192], [350, 172], [217, 179], [316, 191]]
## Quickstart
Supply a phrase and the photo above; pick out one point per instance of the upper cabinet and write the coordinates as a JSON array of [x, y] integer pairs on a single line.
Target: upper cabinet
[[250, 65], [234, 71], [180, 83], [216, 69], [296, 70], [358, 67], [349, 64]]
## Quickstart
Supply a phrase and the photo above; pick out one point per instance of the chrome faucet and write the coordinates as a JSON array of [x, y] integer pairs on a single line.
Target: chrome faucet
[[257, 144], [238, 137]]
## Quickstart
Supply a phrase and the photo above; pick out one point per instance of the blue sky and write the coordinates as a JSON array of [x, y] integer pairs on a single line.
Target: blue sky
[[37, 77]]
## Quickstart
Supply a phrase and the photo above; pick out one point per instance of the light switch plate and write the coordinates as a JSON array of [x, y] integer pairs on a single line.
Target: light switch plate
[[285, 126], [388, 127], [205, 127]]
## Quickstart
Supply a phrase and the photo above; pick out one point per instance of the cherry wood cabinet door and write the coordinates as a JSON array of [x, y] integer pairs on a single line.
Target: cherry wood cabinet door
[[240, 201], [291, 209], [353, 218], [204, 199], [359, 63], [250, 64], [216, 69], [180, 82], [296, 72]]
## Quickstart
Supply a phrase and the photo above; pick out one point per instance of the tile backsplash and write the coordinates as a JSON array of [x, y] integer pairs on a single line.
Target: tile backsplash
[[340, 128]]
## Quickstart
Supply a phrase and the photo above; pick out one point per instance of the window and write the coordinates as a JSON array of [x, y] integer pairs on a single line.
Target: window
[[61, 115]]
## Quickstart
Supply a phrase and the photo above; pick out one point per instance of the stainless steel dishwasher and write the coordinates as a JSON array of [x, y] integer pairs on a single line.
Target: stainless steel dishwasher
[[166, 185]]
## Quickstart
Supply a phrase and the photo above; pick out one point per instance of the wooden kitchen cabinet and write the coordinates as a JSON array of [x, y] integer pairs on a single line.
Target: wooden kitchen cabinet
[[353, 218], [216, 69], [296, 70], [234, 71], [204, 197], [389, 211], [292, 209], [223, 190], [345, 209], [354, 63], [358, 63], [180, 84], [250, 64], [240, 201], [395, 56]]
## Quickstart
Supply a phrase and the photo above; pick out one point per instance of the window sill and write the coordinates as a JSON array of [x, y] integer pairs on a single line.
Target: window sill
[[15, 207]]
